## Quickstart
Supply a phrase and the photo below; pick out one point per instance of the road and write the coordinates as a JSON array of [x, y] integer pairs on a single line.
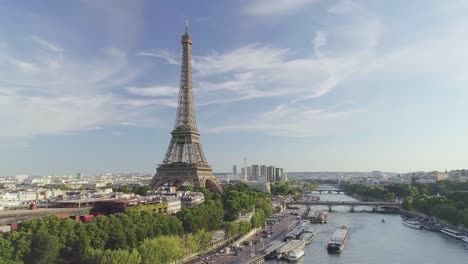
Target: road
[[243, 256]]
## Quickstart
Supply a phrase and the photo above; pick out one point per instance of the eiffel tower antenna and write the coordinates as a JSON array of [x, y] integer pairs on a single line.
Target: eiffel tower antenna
[[185, 161]]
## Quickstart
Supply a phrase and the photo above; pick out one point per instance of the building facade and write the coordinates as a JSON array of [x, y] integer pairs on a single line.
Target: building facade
[[271, 173], [255, 172]]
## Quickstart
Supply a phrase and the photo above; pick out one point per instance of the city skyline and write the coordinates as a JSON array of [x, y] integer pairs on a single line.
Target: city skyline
[[311, 85]]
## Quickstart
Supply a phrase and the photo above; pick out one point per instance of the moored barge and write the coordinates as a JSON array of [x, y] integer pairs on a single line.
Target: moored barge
[[338, 240]]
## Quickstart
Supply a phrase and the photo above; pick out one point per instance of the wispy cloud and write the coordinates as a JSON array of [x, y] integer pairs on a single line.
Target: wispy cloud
[[52, 94], [154, 91], [290, 121], [268, 8], [162, 54], [136, 103], [262, 72], [348, 7], [46, 44], [23, 66], [249, 57]]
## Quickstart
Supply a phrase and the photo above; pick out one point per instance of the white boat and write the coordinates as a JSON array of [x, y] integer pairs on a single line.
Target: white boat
[[465, 239], [452, 233], [412, 223], [288, 247], [295, 255], [307, 237]]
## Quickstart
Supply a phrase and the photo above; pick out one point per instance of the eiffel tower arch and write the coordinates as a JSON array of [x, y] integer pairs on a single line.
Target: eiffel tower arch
[[185, 161]]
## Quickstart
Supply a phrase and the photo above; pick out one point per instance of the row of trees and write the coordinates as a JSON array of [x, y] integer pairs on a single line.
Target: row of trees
[[233, 229], [451, 206], [445, 200], [240, 199], [287, 188], [208, 215], [366, 192], [54, 240], [136, 236], [137, 189]]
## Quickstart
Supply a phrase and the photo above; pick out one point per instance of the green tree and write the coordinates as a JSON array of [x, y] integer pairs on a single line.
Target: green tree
[[244, 227], [191, 243], [120, 256], [79, 245], [203, 239], [407, 203], [44, 249], [231, 228], [164, 249], [141, 189], [465, 217], [6, 250]]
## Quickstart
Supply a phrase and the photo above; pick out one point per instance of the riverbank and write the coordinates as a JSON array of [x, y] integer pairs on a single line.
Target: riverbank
[[416, 215], [373, 241], [231, 253]]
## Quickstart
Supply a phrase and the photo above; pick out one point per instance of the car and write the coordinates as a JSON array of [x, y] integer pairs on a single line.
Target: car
[[248, 243], [240, 248]]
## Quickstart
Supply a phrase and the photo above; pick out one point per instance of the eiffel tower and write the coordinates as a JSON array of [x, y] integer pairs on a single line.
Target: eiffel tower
[[185, 161]]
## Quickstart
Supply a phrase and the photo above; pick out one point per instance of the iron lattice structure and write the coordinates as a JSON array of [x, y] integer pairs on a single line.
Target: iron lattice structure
[[185, 161]]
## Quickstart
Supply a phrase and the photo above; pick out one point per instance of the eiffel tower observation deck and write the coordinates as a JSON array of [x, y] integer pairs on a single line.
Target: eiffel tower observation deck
[[185, 161]]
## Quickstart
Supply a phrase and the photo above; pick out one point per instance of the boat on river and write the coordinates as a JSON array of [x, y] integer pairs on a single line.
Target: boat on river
[[289, 247], [431, 227], [451, 232], [302, 227], [338, 240], [307, 237], [322, 217], [465, 239], [412, 223], [295, 255]]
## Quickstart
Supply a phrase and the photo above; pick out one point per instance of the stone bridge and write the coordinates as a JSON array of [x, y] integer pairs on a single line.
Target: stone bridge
[[351, 204]]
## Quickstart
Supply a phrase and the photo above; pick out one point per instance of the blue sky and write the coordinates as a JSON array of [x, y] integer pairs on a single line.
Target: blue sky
[[309, 85]]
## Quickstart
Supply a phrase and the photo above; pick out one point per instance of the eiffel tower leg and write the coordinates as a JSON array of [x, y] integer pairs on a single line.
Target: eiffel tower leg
[[158, 182], [214, 186], [198, 183]]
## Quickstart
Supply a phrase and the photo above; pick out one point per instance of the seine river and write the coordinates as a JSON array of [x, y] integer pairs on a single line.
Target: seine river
[[372, 241]]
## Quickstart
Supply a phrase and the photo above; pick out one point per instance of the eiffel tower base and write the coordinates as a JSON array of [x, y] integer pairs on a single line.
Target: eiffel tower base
[[177, 175]]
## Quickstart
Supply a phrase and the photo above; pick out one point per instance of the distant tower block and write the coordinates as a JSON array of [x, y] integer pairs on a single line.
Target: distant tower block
[[185, 161]]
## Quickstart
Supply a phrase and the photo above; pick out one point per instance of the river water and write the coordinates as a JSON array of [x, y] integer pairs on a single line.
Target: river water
[[372, 241]]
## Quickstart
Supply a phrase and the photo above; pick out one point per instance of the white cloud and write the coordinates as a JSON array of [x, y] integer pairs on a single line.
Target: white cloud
[[163, 54], [50, 46], [320, 40], [137, 103], [269, 8], [153, 91], [258, 71], [290, 121], [246, 58], [23, 66], [50, 94], [27, 116], [347, 7]]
